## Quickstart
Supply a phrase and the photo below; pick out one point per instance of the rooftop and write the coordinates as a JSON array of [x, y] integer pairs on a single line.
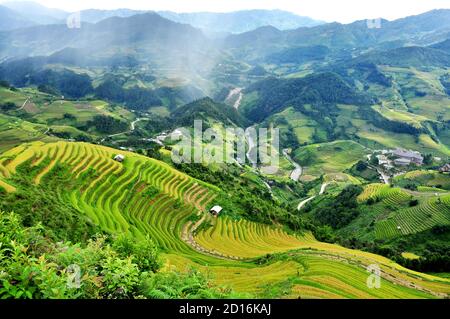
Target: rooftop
[[407, 154]]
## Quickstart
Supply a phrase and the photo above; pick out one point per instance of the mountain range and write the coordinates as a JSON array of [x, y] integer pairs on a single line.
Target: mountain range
[[212, 23]]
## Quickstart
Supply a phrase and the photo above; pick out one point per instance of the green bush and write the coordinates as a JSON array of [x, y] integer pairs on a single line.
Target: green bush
[[32, 266], [144, 253]]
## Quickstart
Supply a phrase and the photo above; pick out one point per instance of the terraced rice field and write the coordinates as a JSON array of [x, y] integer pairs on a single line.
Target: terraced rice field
[[405, 220], [415, 219], [385, 193], [142, 196], [246, 239], [426, 178]]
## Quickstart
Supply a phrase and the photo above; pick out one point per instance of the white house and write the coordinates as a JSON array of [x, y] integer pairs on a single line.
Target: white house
[[216, 210], [402, 162], [445, 168], [119, 158], [412, 156]]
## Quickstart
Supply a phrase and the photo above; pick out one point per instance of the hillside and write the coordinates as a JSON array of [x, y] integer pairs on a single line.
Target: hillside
[[141, 196], [274, 95], [241, 21], [409, 57], [10, 20], [149, 30], [37, 13], [208, 111]]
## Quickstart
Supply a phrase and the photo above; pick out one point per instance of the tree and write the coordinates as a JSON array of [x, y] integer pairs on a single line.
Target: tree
[[8, 106], [4, 84], [361, 166], [107, 125], [374, 160], [428, 159], [413, 202]]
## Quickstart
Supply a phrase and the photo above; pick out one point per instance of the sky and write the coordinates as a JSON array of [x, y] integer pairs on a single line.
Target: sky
[[344, 11]]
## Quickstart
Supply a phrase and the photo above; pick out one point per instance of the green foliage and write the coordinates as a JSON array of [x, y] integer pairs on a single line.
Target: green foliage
[[135, 98], [339, 211], [322, 91], [428, 159], [120, 277], [325, 233], [67, 83], [413, 202], [151, 192], [44, 88], [34, 267], [205, 109], [143, 253], [242, 197], [8, 106], [188, 285], [38, 203], [5, 84]]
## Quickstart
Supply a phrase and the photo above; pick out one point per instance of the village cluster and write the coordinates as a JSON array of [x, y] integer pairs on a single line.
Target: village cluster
[[397, 161], [399, 157]]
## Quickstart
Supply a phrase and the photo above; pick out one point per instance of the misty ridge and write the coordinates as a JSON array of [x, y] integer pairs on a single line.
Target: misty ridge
[[200, 54]]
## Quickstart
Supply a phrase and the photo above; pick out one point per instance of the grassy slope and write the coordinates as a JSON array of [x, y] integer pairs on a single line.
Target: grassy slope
[[48, 110], [14, 131], [329, 158], [121, 198]]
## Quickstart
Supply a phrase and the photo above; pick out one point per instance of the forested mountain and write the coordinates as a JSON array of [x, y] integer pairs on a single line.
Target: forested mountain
[[408, 57], [37, 13], [315, 92], [149, 30], [241, 21], [10, 20], [208, 111]]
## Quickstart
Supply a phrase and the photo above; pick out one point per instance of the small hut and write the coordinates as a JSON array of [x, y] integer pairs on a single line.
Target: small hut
[[119, 158], [445, 168], [216, 210]]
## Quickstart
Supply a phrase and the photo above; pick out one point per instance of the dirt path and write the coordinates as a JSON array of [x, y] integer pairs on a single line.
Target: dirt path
[[298, 171], [132, 128], [323, 188], [306, 201], [23, 105]]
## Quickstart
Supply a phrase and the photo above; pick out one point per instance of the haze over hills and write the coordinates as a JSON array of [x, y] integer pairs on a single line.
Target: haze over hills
[[37, 13], [233, 22], [241, 21]]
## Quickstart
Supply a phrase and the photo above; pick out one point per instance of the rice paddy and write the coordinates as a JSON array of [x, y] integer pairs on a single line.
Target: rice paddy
[[142, 196], [401, 219]]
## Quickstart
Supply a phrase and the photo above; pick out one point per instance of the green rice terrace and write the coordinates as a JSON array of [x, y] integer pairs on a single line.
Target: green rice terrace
[[142, 196], [396, 217]]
